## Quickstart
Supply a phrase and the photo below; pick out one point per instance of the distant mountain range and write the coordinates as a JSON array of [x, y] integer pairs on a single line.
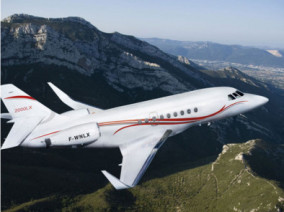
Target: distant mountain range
[[220, 52], [109, 70]]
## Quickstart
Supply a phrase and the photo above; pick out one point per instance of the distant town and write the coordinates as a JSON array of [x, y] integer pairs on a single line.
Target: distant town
[[270, 75]]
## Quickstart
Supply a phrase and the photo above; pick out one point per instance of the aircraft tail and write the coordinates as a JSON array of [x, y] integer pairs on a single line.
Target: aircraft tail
[[26, 113], [19, 104]]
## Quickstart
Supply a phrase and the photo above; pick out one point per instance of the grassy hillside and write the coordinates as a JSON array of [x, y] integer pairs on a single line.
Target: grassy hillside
[[227, 184]]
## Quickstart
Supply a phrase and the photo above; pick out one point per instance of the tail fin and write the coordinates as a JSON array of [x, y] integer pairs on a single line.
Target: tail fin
[[19, 104]]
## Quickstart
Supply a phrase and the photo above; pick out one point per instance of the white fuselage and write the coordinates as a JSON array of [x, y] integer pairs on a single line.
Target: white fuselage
[[131, 123]]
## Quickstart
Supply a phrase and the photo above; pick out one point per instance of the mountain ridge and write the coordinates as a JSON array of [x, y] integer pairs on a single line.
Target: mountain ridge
[[206, 50], [78, 55], [18, 18]]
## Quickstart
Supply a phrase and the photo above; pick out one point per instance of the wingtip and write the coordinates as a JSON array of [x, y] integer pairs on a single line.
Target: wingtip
[[117, 184], [50, 84]]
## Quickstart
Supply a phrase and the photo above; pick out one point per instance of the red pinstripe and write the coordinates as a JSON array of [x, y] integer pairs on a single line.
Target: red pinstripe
[[46, 134], [20, 97], [161, 123], [172, 121]]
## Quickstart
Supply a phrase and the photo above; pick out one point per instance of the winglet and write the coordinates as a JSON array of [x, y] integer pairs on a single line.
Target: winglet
[[114, 181], [63, 96], [70, 102]]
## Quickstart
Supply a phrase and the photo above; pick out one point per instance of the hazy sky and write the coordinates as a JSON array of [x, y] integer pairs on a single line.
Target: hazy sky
[[246, 22]]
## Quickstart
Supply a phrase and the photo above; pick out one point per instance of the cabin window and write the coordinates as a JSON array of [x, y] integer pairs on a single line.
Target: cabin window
[[195, 109], [169, 115], [240, 93], [161, 116], [154, 118], [188, 111], [146, 120], [182, 112], [139, 122], [235, 95], [175, 114], [231, 97]]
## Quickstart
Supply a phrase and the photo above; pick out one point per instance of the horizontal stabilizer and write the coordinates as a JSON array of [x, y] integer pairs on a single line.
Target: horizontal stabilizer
[[21, 129], [114, 181], [6, 116], [70, 102]]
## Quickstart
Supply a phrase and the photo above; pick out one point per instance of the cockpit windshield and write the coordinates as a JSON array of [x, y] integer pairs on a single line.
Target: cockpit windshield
[[240, 93], [236, 94], [231, 97]]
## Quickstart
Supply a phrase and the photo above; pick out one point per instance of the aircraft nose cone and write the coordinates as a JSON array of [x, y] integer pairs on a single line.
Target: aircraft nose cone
[[261, 100]]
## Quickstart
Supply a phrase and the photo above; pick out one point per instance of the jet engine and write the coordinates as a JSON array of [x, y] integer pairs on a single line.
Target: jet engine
[[79, 135]]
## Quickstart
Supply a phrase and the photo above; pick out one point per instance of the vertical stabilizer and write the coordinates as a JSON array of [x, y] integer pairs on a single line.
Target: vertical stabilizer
[[19, 104], [26, 114]]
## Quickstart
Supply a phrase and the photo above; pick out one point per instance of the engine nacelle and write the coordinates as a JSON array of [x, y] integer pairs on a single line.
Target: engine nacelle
[[79, 135]]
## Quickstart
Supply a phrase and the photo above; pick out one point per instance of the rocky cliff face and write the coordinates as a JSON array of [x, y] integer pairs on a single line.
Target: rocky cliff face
[[76, 44]]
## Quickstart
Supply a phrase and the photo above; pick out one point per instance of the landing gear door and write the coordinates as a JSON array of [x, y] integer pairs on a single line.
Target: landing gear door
[[153, 116]]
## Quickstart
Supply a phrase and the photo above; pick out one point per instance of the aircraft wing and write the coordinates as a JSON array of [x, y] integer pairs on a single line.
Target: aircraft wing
[[70, 102], [21, 129], [136, 159]]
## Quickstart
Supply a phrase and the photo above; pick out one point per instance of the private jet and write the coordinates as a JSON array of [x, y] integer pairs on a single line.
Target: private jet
[[138, 130]]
